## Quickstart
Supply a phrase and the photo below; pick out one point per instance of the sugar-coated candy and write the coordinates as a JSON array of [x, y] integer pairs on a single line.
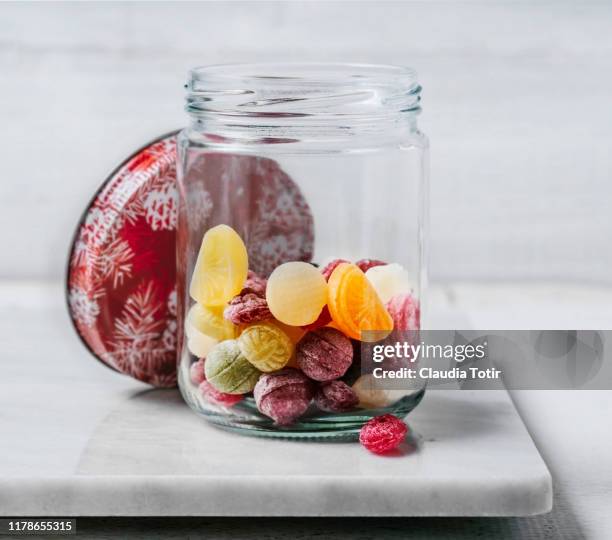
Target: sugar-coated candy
[[389, 280], [354, 305], [365, 264], [196, 372], [265, 346], [383, 433], [212, 395], [296, 293], [405, 312], [324, 354], [329, 267], [228, 370], [247, 308], [221, 267], [210, 321], [284, 395], [335, 396], [255, 284]]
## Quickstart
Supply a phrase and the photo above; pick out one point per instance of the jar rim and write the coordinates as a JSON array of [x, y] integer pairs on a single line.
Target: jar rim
[[303, 101], [304, 72], [302, 89]]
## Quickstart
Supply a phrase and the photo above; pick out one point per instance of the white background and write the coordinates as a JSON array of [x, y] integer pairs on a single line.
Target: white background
[[517, 103]]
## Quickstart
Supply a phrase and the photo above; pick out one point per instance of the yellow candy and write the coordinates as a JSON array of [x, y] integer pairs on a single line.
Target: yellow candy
[[210, 321], [296, 293], [266, 346], [372, 394], [198, 343], [221, 268]]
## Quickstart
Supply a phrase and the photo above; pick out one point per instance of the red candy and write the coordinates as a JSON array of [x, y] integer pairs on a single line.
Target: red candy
[[247, 308], [284, 395], [365, 264], [383, 433], [196, 372], [212, 395], [324, 354], [255, 284], [336, 396], [329, 268], [405, 312]]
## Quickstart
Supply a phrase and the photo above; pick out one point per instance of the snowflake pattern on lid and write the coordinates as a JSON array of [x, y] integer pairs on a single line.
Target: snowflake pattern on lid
[[121, 296], [122, 275]]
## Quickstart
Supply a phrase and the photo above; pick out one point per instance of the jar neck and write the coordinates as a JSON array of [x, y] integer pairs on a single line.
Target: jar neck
[[314, 104]]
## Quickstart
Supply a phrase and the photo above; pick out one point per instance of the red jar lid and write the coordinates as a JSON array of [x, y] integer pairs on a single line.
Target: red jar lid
[[121, 279], [122, 272]]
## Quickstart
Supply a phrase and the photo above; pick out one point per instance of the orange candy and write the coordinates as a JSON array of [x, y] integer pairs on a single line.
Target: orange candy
[[355, 306]]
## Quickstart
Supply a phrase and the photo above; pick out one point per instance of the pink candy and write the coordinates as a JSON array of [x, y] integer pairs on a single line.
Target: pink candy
[[365, 264], [324, 354], [247, 308], [284, 395], [196, 372], [329, 268], [212, 395], [336, 396], [405, 312], [383, 433], [255, 284]]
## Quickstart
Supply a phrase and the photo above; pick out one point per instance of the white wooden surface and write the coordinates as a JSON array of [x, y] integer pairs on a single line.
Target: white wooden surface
[[516, 103]]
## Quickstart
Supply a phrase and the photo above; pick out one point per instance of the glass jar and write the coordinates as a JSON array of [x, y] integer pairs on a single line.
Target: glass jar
[[309, 176]]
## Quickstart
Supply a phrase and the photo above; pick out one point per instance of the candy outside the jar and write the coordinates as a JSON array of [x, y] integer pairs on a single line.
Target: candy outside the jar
[[212, 395], [355, 306], [196, 372], [335, 396], [228, 370], [265, 346], [389, 280], [210, 321], [324, 354], [383, 433], [405, 312], [221, 267], [283, 396], [296, 293]]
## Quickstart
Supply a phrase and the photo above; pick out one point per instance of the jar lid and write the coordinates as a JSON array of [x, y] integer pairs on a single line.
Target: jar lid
[[121, 280], [121, 291]]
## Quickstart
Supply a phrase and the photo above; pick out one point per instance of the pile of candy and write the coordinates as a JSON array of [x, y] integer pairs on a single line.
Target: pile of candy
[[289, 339]]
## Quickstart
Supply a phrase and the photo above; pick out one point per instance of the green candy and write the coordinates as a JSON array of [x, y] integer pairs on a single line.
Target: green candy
[[228, 370]]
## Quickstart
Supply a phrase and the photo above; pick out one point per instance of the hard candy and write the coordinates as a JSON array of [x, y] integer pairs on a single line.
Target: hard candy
[[265, 346], [228, 370], [336, 396], [324, 354], [283, 396]]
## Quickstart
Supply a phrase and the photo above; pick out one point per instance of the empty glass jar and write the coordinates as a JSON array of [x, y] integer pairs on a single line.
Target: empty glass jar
[[301, 241]]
